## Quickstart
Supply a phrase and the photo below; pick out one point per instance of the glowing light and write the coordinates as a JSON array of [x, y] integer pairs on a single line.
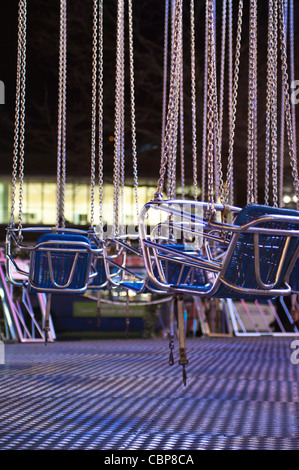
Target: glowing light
[[286, 199]]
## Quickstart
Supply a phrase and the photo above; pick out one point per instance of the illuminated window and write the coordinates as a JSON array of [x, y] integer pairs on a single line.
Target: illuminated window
[[40, 203], [4, 198]]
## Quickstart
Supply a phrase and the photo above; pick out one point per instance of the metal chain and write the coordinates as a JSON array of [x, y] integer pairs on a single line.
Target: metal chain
[[93, 108], [171, 183], [175, 64], [61, 133], [292, 70], [122, 131], [235, 85], [133, 118], [211, 103], [274, 108], [222, 66], [164, 100], [252, 79], [204, 132], [230, 85], [268, 101], [286, 96], [182, 140], [118, 117], [22, 118], [193, 100], [19, 126], [100, 113], [175, 128], [282, 128]]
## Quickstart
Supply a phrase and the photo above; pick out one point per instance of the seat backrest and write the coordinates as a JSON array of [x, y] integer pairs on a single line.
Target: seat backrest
[[62, 262], [177, 273], [294, 277], [100, 279], [241, 268]]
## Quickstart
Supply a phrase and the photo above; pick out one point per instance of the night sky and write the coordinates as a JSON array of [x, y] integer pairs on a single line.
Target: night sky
[[42, 83]]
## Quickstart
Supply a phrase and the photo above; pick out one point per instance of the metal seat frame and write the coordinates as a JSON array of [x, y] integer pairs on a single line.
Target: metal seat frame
[[69, 247], [217, 267]]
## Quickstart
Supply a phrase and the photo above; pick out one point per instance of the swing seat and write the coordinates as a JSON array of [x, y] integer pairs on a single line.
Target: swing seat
[[100, 279], [61, 263], [137, 286], [259, 262], [294, 278], [261, 245], [121, 275], [178, 274]]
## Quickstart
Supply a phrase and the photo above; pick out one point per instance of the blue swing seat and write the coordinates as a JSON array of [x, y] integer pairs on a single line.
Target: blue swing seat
[[61, 263], [294, 278], [260, 246], [181, 274], [100, 279], [241, 270]]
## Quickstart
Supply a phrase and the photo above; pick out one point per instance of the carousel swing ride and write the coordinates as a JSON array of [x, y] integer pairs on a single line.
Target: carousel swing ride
[[208, 248]]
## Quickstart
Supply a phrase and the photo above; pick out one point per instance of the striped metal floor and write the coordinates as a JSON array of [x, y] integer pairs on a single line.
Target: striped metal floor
[[241, 393]]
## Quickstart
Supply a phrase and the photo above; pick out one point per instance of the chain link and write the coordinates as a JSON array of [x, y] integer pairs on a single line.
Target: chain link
[[252, 79], [100, 113], [292, 70], [235, 85], [204, 131], [182, 139], [222, 66], [172, 102], [212, 114], [286, 97], [19, 126], [274, 108], [193, 100], [133, 118], [61, 132], [282, 127], [93, 109], [268, 102], [118, 114]]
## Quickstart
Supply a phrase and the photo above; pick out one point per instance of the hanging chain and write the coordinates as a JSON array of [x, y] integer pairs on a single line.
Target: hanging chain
[[204, 132], [268, 101], [251, 100], [100, 123], [282, 127], [211, 102], [175, 64], [274, 108], [222, 66], [122, 130], [171, 183], [93, 108], [230, 88], [286, 97], [235, 86], [193, 100], [164, 101], [182, 140], [61, 134], [22, 119], [19, 127], [118, 116], [292, 70], [133, 118], [271, 105]]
